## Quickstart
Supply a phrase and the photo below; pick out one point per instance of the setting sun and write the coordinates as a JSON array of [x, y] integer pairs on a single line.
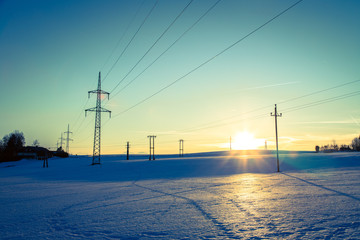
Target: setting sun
[[246, 141]]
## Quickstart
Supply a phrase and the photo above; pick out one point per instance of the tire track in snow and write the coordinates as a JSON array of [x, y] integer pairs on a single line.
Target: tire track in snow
[[221, 226], [149, 198], [162, 195], [57, 221], [323, 187], [245, 210]]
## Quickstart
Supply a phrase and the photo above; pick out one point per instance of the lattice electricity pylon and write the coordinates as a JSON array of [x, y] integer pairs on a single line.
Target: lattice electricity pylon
[[98, 109], [68, 139]]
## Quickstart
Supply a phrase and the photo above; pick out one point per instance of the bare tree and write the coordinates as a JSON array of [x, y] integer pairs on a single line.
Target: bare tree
[[36, 143], [355, 144], [334, 146]]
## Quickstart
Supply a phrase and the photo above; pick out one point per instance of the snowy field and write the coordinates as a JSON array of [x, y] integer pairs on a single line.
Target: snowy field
[[200, 196]]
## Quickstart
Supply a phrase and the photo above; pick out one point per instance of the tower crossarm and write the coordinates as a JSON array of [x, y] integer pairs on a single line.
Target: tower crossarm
[[90, 110], [101, 92]]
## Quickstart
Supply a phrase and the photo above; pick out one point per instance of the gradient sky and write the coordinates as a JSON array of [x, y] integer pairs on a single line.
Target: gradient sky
[[51, 52]]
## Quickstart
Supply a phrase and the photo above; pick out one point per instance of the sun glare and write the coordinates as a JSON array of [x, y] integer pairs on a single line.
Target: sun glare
[[246, 141]]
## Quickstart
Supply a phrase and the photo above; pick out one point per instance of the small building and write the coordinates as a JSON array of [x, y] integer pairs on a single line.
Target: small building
[[39, 153]]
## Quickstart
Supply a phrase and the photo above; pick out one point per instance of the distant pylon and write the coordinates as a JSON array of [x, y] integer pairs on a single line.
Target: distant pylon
[[61, 141], [152, 147], [276, 115], [68, 139], [230, 143], [98, 109], [265, 145], [181, 148]]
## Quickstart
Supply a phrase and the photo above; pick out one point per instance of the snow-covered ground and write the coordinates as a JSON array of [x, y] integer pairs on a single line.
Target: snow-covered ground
[[200, 196]]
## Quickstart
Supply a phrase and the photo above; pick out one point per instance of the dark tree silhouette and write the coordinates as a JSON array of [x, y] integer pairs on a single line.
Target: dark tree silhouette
[[334, 146], [344, 147], [355, 144], [11, 145]]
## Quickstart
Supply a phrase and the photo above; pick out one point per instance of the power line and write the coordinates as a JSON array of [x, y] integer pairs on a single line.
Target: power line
[[181, 36], [137, 31], [203, 126], [217, 123], [286, 110], [210, 59], [323, 101], [285, 101], [157, 40], [79, 129], [200, 65], [299, 107], [80, 113], [320, 91], [124, 33], [224, 124]]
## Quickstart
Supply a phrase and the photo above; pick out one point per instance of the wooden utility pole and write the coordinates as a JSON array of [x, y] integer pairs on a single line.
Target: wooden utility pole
[[127, 150], [276, 115], [152, 146], [181, 148]]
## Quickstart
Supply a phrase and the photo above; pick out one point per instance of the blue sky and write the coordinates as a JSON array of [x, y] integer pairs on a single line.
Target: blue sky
[[51, 53]]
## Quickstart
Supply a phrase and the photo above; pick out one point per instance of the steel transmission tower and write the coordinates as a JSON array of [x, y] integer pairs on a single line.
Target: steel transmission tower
[[68, 139], [98, 110], [276, 115]]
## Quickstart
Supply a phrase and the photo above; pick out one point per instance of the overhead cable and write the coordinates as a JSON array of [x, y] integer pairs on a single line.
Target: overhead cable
[[137, 31], [181, 36], [124, 33], [157, 40], [210, 59]]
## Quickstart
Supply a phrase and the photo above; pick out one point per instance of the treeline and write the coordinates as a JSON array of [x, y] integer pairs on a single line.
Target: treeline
[[334, 147], [11, 145], [12, 148]]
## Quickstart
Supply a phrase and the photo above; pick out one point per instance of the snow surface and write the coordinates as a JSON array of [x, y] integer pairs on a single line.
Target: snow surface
[[201, 196]]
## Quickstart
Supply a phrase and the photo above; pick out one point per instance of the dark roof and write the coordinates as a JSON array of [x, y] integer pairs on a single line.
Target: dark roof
[[34, 149]]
